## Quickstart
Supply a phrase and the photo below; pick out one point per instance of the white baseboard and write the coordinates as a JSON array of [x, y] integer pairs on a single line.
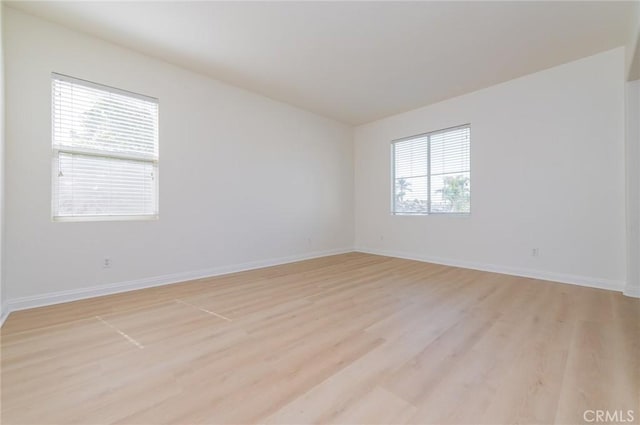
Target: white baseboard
[[611, 285], [51, 298], [4, 313], [632, 292], [114, 288]]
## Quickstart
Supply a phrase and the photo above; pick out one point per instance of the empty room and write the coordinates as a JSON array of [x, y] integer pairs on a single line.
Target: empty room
[[319, 212]]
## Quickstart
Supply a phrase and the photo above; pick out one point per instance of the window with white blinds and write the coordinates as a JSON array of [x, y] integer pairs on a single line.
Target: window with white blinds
[[105, 152], [432, 173]]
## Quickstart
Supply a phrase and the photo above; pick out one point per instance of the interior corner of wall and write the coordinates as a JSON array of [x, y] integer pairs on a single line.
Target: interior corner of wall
[[633, 57]]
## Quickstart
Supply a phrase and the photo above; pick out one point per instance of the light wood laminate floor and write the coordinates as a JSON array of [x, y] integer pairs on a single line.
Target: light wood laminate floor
[[353, 338]]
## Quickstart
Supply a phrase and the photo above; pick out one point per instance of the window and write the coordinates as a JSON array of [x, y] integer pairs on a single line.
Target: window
[[431, 173], [105, 152]]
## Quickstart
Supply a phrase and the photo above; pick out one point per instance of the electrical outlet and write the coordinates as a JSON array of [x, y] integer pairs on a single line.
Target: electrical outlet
[[535, 252], [106, 263]]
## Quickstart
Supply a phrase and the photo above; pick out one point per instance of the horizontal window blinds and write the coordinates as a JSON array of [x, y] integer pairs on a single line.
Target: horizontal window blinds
[[412, 176], [432, 173], [105, 147]]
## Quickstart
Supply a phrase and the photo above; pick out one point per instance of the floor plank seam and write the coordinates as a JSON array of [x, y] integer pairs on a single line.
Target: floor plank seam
[[124, 335], [213, 313]]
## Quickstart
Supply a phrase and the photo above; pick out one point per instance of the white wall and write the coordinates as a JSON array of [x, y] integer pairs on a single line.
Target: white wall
[[547, 171], [633, 46], [633, 159], [633, 188], [244, 180], [3, 309]]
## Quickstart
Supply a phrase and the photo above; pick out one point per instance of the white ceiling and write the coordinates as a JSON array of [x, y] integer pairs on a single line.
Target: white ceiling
[[354, 61]]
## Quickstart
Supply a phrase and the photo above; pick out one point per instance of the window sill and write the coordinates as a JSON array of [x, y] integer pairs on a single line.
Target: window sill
[[442, 214], [65, 219]]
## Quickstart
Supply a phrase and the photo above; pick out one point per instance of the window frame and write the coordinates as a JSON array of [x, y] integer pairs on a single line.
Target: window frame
[[57, 150], [428, 135]]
